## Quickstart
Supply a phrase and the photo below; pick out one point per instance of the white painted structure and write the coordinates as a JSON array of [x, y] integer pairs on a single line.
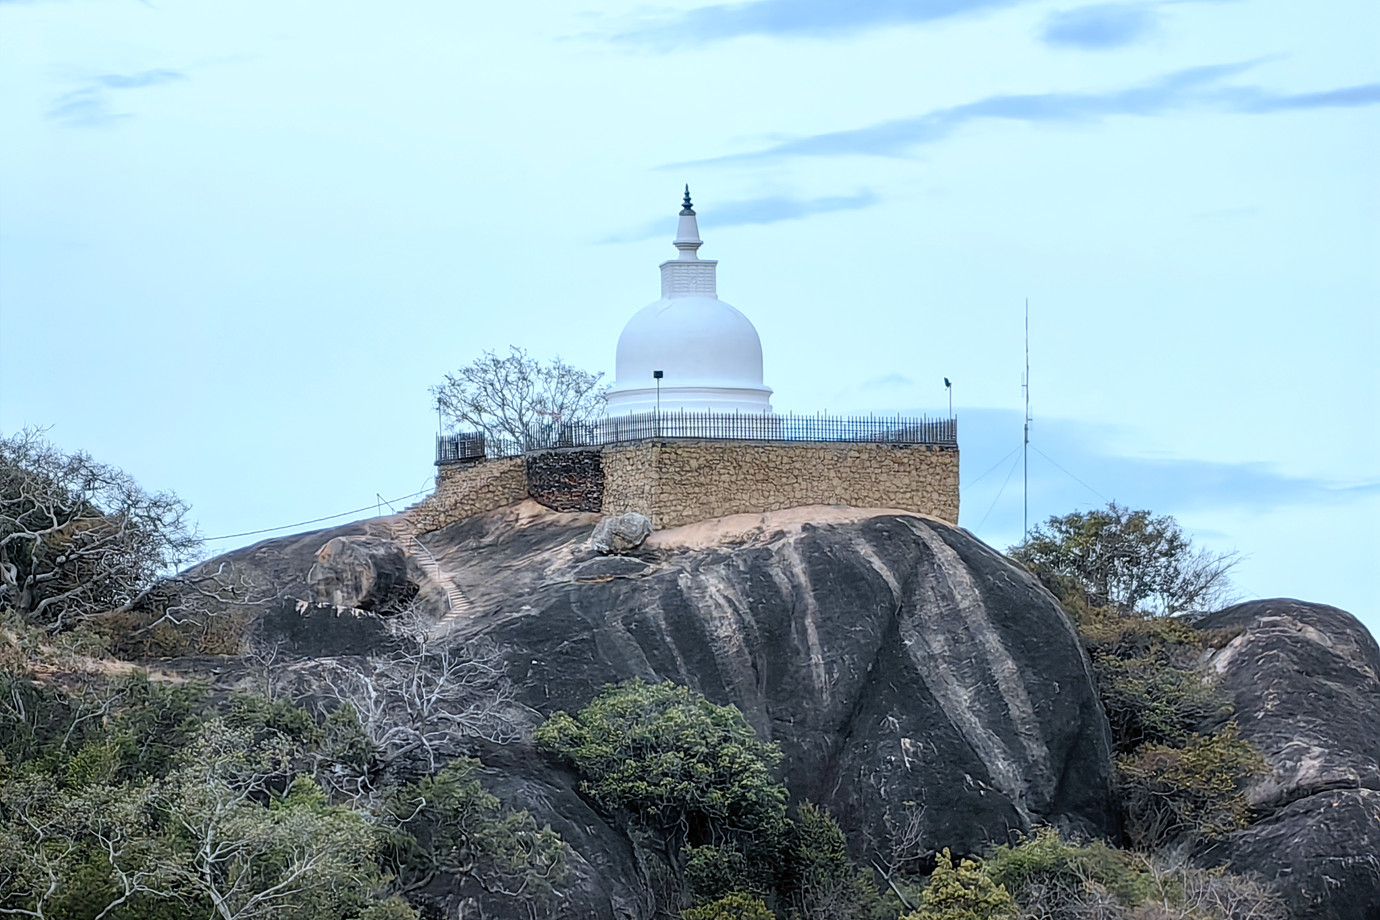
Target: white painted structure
[[708, 352]]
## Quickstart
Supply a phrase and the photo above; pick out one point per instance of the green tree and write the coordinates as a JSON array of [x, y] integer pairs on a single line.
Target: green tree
[[821, 882], [676, 761], [1129, 560], [688, 779], [962, 892]]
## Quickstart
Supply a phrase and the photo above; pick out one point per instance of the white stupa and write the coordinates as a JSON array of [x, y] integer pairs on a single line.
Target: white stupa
[[708, 353]]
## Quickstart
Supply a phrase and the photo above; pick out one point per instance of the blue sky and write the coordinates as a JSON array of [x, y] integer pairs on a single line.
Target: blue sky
[[238, 242]]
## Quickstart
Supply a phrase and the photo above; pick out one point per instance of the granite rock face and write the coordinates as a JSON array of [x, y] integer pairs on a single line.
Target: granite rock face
[[368, 573], [1305, 679], [916, 680]]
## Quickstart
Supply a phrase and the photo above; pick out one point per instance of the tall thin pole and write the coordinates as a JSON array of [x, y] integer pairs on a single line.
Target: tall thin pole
[[1025, 445]]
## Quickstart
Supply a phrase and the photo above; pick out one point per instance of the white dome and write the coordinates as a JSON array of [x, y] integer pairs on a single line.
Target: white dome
[[708, 352]]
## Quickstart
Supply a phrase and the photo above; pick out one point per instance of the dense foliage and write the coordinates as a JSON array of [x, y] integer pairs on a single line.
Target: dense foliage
[[1051, 878], [692, 784], [124, 797], [1181, 767], [962, 891], [1129, 560], [667, 756]]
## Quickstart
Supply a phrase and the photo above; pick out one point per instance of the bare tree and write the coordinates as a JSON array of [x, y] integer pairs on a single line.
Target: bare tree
[[251, 862], [427, 700], [79, 537], [521, 399]]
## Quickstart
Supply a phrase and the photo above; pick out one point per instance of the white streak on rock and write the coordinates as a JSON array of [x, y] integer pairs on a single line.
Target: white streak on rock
[[963, 653]]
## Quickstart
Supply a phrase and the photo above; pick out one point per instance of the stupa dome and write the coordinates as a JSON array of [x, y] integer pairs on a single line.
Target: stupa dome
[[707, 351]]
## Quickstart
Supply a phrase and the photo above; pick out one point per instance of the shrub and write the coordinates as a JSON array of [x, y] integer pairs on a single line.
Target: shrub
[[676, 761], [1054, 879], [820, 881], [714, 871], [1172, 795], [962, 892], [1046, 868], [738, 905], [1148, 678]]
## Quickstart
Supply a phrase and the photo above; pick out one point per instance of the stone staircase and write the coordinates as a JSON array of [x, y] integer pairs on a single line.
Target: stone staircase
[[457, 604]]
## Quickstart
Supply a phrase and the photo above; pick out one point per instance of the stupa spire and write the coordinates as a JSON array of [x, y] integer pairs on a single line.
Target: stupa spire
[[688, 232]]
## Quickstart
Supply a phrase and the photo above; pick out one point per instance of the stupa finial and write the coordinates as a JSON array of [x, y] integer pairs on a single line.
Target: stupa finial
[[686, 207]]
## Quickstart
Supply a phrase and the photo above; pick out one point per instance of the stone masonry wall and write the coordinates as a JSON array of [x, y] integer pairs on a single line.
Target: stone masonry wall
[[630, 478], [679, 482], [465, 490], [567, 480]]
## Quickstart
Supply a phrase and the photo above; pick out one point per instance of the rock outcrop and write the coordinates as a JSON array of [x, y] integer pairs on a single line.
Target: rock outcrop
[[368, 573], [918, 683], [1305, 679], [620, 533]]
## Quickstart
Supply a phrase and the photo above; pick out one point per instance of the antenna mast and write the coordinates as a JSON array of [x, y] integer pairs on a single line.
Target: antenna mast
[[1025, 446]]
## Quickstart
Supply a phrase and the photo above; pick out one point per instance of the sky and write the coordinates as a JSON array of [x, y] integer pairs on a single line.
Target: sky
[[239, 242]]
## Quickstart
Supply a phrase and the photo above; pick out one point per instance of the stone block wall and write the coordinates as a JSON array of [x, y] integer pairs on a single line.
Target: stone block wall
[[567, 480], [630, 477], [679, 482], [463, 490]]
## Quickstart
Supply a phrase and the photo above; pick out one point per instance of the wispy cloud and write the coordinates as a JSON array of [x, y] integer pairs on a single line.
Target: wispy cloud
[[88, 108], [767, 210], [1253, 99], [1100, 27], [1197, 87], [141, 79], [799, 18], [93, 105]]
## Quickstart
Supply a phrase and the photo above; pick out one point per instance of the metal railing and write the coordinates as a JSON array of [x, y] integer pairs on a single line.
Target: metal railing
[[888, 429]]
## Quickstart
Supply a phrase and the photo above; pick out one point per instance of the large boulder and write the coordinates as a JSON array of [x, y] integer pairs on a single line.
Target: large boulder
[[367, 573], [1305, 679], [620, 533]]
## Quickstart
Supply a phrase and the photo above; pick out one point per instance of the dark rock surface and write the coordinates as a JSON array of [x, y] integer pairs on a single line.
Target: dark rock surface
[[1305, 679], [602, 568], [911, 675], [368, 573]]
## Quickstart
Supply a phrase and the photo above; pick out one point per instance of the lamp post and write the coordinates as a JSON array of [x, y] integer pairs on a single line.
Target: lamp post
[[658, 375], [950, 387]]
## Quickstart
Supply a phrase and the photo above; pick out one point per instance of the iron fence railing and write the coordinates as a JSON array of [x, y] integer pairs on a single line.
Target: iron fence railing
[[890, 429]]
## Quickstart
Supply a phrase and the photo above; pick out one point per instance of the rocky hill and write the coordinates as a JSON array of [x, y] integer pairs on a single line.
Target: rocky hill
[[923, 688], [1305, 679]]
